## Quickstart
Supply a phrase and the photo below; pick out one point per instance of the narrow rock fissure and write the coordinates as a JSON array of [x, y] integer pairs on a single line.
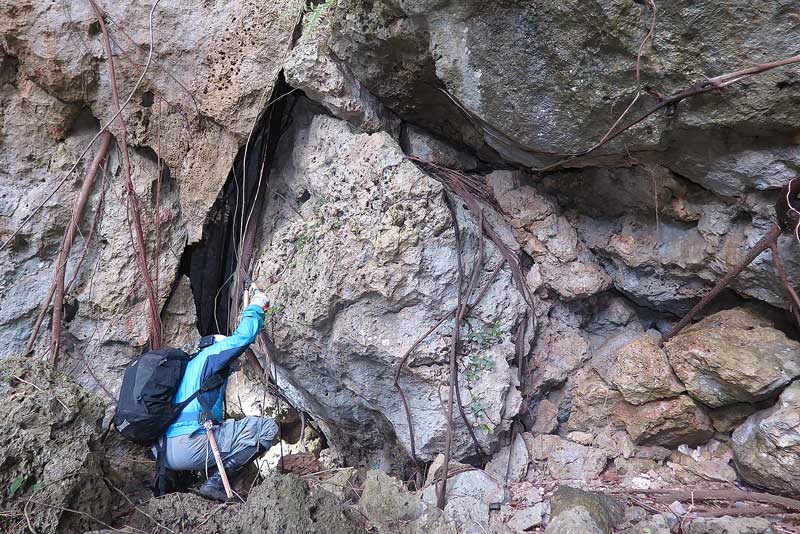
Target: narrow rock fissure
[[211, 263]]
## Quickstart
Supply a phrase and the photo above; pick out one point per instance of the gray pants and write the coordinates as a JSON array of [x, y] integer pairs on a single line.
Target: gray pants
[[192, 452]]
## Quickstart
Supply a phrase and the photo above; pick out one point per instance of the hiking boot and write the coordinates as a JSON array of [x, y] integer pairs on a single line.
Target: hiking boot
[[214, 489]]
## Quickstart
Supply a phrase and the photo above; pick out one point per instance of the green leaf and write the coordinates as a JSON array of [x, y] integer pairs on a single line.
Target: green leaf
[[16, 485]]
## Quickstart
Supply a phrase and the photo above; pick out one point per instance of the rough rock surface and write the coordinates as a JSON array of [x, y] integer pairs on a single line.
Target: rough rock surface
[[639, 369], [766, 448], [537, 91], [282, 503], [392, 508], [652, 525], [470, 496], [511, 462], [180, 318], [559, 459], [211, 71], [367, 265], [49, 449], [730, 525], [575, 510], [667, 423], [313, 68], [734, 356]]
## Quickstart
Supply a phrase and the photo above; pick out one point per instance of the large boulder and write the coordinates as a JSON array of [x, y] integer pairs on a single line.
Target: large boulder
[[667, 423], [364, 266], [766, 447], [733, 356], [575, 510], [391, 508], [538, 80], [638, 368], [50, 454]]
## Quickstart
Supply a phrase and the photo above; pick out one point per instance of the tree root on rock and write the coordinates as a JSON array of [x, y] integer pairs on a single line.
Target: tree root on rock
[[470, 189]]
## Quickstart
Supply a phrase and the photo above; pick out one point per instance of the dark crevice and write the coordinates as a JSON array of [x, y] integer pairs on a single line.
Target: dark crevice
[[210, 263]]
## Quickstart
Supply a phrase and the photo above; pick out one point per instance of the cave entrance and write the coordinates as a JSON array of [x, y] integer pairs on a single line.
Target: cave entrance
[[219, 264]]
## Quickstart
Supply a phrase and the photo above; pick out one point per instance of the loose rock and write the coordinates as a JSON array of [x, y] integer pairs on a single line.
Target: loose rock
[[667, 423], [575, 510], [733, 356], [511, 463], [766, 448], [639, 369]]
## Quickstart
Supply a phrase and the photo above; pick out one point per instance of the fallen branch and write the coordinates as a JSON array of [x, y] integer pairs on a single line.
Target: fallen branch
[[755, 511], [668, 496], [133, 202]]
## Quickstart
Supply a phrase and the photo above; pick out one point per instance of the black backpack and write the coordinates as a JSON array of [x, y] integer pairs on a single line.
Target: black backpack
[[146, 409]]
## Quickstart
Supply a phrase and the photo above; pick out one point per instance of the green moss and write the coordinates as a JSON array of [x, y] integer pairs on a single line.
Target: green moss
[[605, 511]]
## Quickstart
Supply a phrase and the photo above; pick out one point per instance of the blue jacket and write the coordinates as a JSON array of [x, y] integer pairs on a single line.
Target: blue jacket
[[207, 362]]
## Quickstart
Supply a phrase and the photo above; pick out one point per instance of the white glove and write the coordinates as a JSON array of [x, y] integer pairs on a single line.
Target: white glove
[[260, 299]]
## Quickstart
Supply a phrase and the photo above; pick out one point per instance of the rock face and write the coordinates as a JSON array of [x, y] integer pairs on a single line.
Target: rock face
[[766, 448], [366, 266], [49, 450], [356, 245], [734, 356], [534, 92], [638, 369], [209, 76]]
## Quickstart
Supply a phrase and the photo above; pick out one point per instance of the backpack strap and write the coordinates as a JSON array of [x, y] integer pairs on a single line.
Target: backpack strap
[[159, 484], [211, 383]]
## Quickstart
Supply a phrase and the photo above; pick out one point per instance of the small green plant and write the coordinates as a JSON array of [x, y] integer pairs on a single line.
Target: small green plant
[[476, 365], [338, 224], [478, 406], [16, 484], [303, 238], [276, 307], [315, 13], [318, 204], [488, 336]]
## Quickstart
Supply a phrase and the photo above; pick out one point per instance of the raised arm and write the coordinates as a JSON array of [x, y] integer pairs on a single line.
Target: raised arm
[[234, 345]]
